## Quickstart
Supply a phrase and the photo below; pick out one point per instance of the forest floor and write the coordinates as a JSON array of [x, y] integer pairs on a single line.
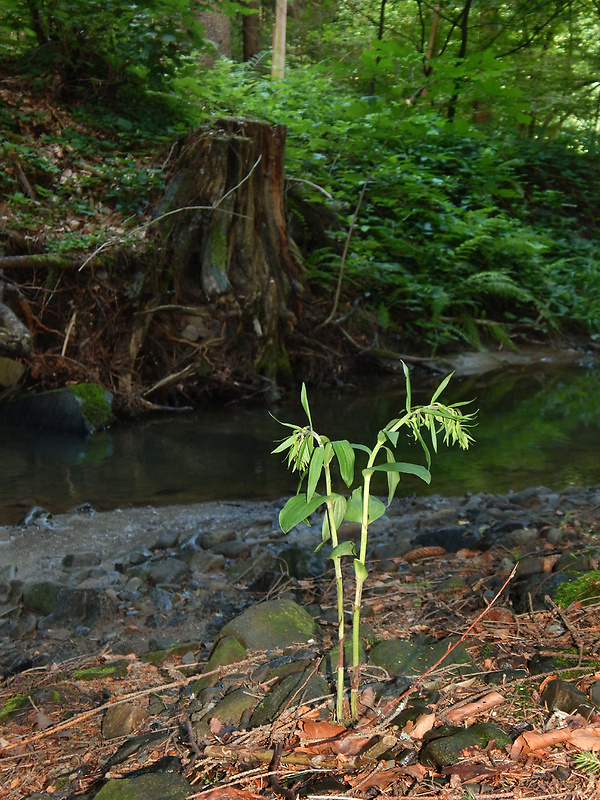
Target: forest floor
[[55, 743]]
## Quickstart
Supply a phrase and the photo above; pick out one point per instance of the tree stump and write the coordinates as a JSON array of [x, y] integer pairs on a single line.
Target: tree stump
[[225, 241]]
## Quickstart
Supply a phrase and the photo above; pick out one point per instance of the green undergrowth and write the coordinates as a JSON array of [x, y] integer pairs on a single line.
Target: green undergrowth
[[458, 234]]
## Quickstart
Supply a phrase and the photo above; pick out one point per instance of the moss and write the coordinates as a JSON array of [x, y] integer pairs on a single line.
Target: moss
[[95, 404], [585, 590], [13, 706], [117, 669]]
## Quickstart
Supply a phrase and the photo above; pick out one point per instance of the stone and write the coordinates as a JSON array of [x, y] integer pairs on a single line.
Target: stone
[[443, 746], [301, 562], [41, 597], [292, 691], [80, 560], [83, 408], [232, 549], [228, 711], [121, 720], [11, 371], [399, 657], [227, 650], [81, 606], [167, 571], [162, 599], [209, 540], [166, 786], [564, 696], [274, 624]]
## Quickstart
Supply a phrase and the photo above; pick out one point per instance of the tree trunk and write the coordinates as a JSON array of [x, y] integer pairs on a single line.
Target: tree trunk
[[278, 60], [251, 31], [226, 241]]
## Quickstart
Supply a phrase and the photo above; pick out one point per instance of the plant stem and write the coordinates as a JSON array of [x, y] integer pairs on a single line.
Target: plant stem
[[339, 588]]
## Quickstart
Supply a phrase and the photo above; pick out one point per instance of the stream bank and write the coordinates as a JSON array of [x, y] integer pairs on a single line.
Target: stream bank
[[147, 604]]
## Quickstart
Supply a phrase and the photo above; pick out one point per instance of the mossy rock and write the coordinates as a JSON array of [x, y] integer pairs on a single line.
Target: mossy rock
[[165, 786], [584, 589], [83, 408], [276, 624], [443, 746], [399, 657], [41, 597], [116, 669]]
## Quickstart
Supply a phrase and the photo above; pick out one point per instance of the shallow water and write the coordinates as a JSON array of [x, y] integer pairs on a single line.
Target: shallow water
[[536, 426]]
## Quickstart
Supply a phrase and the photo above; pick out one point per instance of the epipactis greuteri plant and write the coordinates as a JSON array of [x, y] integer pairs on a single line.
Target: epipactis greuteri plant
[[312, 455]]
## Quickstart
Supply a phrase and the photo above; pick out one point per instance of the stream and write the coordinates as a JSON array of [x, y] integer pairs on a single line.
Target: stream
[[535, 426]]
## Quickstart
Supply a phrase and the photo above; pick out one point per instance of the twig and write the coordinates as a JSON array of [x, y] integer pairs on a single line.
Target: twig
[[68, 333]]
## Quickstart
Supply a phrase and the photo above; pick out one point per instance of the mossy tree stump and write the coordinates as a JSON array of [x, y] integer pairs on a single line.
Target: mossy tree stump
[[225, 240]]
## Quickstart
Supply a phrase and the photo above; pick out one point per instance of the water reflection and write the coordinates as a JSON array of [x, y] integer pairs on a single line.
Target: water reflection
[[534, 427]]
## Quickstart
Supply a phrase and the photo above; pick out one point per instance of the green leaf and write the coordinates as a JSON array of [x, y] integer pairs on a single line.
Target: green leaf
[[393, 478], [339, 509], [305, 406], [298, 509], [345, 456], [360, 571], [284, 445], [441, 388], [315, 469], [400, 466], [392, 436], [361, 447], [408, 390], [354, 509], [346, 548]]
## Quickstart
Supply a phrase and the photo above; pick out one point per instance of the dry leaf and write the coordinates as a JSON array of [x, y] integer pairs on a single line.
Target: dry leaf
[[586, 739], [420, 726], [315, 729], [215, 725], [42, 721], [471, 709]]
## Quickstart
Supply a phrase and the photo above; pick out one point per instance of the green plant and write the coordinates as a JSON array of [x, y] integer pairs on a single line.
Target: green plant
[[312, 455], [588, 761]]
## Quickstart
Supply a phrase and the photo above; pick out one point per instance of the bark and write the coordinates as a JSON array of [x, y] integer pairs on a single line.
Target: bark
[[251, 31], [279, 29], [225, 239]]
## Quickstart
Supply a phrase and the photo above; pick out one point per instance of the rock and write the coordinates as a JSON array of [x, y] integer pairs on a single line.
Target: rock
[[564, 696], [162, 786], [167, 571], [83, 408], [301, 562], [162, 599], [274, 624], [252, 568], [37, 516], [232, 549], [443, 746], [293, 690], [210, 540], [205, 561], [227, 650], [121, 720], [451, 539], [81, 606], [11, 371], [79, 560], [229, 710], [41, 597], [399, 657]]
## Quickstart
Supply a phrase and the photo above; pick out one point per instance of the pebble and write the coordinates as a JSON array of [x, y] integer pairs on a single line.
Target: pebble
[[189, 572]]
